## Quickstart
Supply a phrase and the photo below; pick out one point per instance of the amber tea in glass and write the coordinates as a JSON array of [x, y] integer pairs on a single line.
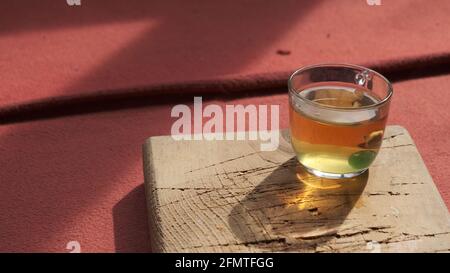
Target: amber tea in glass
[[337, 117]]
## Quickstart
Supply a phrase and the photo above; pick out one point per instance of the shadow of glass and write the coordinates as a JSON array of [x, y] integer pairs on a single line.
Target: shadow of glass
[[292, 210]]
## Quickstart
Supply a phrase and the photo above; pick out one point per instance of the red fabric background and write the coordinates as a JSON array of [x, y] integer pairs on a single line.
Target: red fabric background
[[48, 49], [79, 177]]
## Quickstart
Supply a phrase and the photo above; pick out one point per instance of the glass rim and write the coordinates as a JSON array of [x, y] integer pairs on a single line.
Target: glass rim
[[386, 99]]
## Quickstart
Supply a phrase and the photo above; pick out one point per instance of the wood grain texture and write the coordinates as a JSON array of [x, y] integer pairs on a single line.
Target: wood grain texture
[[227, 196]]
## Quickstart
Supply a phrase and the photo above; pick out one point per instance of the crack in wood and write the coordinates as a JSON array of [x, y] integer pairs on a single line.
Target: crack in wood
[[396, 146], [393, 136], [338, 235], [390, 193], [222, 162], [426, 234], [406, 183], [247, 243]]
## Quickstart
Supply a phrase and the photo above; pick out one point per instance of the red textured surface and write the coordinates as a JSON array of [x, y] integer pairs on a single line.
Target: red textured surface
[[79, 177], [49, 49]]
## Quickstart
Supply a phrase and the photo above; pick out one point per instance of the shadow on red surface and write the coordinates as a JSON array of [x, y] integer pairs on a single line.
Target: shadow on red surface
[[131, 233]]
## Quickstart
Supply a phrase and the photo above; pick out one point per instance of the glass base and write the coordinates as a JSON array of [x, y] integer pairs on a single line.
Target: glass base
[[333, 175]]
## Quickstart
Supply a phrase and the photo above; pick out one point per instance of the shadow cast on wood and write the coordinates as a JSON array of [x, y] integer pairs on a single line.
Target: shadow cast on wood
[[292, 210]]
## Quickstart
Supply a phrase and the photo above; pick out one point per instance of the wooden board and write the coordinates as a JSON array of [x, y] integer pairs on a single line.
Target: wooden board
[[227, 196]]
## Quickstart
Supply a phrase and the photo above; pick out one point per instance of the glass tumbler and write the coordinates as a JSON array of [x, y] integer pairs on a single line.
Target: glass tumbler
[[337, 115]]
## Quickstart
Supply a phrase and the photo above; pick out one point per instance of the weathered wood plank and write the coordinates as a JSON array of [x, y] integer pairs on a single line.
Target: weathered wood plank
[[227, 196]]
